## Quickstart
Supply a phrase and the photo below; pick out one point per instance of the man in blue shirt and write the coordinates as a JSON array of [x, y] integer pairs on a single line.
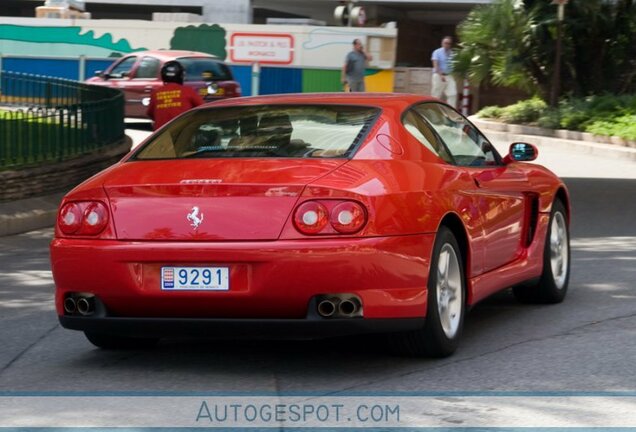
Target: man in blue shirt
[[354, 67], [443, 81]]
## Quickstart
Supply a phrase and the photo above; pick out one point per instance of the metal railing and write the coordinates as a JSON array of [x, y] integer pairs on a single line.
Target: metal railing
[[45, 119]]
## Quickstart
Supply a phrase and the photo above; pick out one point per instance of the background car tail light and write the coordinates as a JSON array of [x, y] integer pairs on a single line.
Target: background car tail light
[[330, 217], [348, 217], [70, 218], [311, 217], [231, 89], [86, 218]]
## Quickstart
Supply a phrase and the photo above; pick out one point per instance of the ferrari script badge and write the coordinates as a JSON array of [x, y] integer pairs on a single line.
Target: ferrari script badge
[[195, 217]]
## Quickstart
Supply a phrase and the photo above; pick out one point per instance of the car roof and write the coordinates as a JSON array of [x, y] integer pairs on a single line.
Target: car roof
[[401, 100], [174, 54]]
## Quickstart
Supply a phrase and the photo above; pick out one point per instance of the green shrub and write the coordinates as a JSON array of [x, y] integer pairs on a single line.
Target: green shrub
[[623, 126], [490, 112], [608, 115], [526, 111], [551, 119]]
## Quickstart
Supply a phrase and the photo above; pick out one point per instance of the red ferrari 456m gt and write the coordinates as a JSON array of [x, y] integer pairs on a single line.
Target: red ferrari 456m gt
[[299, 216]]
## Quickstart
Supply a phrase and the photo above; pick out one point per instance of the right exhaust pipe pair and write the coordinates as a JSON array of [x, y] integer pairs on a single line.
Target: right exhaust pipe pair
[[342, 307]]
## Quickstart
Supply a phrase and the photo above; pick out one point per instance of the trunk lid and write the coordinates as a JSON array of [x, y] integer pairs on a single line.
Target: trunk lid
[[209, 199]]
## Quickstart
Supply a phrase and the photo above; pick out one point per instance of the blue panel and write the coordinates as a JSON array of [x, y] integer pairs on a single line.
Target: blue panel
[[58, 68], [94, 65], [243, 74], [281, 80]]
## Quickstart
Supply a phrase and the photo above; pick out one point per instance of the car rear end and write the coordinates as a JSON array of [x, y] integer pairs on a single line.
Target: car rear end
[[211, 78], [213, 226]]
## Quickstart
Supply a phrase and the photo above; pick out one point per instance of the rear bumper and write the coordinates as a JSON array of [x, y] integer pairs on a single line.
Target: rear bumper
[[268, 280], [309, 328]]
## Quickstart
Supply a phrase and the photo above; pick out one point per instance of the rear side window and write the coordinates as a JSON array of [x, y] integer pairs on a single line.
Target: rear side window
[[465, 143], [298, 131], [417, 126], [204, 69]]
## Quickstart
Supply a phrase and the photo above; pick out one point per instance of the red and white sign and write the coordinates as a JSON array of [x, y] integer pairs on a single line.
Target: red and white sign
[[264, 48]]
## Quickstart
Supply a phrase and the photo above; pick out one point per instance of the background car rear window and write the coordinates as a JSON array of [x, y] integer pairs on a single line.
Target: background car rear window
[[298, 131], [195, 67]]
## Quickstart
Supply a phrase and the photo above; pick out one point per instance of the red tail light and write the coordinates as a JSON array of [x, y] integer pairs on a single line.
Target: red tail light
[[70, 218], [86, 218], [330, 217], [232, 89], [311, 217], [348, 217], [95, 219]]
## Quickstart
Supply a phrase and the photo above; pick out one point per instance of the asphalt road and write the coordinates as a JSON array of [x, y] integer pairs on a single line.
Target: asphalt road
[[584, 344]]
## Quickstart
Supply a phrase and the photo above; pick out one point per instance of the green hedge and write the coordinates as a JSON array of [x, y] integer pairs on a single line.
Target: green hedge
[[602, 115]]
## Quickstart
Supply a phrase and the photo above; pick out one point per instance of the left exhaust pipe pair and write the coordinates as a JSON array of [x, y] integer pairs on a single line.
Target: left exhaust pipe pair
[[84, 305]]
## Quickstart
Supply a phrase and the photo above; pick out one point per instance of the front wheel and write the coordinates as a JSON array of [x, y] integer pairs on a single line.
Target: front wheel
[[446, 304], [553, 283]]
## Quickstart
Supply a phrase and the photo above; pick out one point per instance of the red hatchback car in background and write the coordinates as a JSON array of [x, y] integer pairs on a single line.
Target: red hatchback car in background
[[139, 73], [309, 215]]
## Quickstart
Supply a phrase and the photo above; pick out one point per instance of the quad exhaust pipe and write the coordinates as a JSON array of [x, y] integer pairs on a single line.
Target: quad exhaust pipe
[[79, 304], [85, 306], [70, 306], [339, 305], [326, 308], [349, 307]]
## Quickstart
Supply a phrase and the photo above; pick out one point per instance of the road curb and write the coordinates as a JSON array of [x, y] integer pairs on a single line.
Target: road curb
[[29, 214], [545, 137]]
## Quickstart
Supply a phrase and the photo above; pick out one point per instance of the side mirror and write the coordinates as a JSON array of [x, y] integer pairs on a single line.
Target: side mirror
[[521, 152]]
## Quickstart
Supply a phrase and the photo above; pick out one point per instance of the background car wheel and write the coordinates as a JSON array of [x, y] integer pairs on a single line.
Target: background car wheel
[[553, 283], [112, 342], [446, 304]]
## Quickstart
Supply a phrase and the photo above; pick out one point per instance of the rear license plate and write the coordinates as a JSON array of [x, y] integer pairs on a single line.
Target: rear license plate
[[195, 278], [204, 92]]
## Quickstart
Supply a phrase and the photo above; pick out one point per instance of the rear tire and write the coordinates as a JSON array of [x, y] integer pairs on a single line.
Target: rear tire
[[446, 304], [552, 286], [112, 342]]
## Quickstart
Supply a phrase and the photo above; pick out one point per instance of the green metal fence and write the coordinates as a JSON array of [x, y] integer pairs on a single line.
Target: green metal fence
[[45, 119]]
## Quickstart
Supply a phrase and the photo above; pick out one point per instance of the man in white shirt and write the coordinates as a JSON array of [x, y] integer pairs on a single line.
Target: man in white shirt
[[443, 81]]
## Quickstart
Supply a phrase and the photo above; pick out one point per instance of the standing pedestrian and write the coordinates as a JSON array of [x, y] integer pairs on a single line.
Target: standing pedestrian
[[172, 98], [443, 81], [354, 67]]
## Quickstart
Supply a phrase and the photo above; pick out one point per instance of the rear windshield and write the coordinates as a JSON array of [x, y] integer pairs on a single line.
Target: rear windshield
[[298, 131], [213, 69]]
